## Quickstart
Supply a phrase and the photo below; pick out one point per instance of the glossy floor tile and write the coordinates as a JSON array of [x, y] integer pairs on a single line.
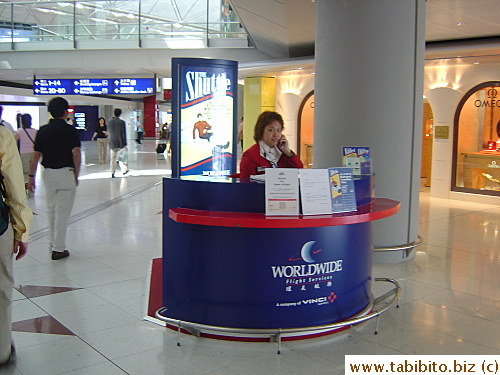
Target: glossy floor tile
[[84, 314]]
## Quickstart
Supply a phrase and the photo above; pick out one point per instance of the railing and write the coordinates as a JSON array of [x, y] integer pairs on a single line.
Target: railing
[[99, 20]]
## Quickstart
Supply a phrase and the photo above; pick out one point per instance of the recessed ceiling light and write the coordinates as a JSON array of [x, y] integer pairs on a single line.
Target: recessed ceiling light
[[461, 23]]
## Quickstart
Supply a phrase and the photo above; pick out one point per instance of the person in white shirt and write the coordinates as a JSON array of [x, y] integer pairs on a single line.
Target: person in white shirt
[[5, 123], [26, 136]]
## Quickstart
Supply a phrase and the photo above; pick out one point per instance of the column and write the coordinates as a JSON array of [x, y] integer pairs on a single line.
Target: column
[[368, 92], [259, 96]]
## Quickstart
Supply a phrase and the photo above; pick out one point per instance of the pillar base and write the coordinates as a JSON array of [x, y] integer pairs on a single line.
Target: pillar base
[[395, 254]]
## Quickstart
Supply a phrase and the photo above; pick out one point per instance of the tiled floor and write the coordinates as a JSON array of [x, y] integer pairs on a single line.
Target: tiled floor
[[449, 304]]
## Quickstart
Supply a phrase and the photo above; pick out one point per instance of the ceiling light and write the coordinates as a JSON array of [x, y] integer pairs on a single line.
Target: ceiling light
[[177, 24], [461, 23]]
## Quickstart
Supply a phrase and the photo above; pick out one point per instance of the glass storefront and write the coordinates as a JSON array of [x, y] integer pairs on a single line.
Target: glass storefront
[[476, 167]]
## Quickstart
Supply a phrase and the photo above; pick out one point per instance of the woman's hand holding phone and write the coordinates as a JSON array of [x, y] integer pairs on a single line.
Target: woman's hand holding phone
[[284, 146]]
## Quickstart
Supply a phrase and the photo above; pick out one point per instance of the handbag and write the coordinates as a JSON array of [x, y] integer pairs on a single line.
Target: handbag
[[122, 155], [4, 209], [29, 136]]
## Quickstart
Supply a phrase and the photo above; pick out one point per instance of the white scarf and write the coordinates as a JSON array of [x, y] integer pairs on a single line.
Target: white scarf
[[271, 154]]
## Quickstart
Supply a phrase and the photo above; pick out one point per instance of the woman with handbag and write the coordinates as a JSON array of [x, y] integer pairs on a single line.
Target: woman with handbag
[[101, 134], [26, 136]]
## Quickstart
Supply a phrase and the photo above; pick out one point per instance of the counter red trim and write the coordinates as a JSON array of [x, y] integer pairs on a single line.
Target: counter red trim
[[378, 209]]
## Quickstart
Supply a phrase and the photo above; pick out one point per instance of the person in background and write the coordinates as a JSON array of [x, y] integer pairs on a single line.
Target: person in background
[[240, 133], [5, 123], [58, 144], [102, 139], [117, 141], [271, 149], [139, 128], [26, 136], [14, 241]]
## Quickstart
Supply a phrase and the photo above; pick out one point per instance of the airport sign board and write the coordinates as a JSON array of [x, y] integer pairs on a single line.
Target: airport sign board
[[135, 86], [85, 86]]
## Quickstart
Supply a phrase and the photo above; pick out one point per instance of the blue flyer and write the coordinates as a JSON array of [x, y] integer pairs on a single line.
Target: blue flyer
[[342, 190]]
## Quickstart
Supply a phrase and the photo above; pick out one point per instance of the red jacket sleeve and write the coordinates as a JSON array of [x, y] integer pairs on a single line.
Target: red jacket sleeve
[[247, 166], [290, 162]]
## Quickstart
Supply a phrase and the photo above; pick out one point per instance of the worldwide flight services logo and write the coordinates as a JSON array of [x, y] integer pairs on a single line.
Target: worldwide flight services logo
[[308, 270]]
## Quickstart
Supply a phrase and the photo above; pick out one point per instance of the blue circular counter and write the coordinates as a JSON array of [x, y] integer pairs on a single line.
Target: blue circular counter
[[226, 264]]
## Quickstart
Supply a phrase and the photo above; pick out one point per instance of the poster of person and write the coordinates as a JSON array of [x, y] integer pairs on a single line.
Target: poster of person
[[206, 119]]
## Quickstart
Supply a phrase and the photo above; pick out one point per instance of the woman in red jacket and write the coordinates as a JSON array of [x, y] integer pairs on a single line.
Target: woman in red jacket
[[271, 150]]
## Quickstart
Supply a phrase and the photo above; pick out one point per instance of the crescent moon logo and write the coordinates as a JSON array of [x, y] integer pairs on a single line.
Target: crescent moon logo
[[306, 252]]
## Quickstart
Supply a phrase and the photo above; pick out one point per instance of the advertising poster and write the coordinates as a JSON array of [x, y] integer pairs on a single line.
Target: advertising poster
[[204, 117]]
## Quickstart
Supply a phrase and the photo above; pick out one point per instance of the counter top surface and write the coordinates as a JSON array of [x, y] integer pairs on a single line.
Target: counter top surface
[[378, 209]]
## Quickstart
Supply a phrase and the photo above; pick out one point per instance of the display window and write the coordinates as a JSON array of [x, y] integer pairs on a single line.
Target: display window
[[476, 166]]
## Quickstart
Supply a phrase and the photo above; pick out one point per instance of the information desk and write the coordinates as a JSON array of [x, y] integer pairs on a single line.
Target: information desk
[[225, 264]]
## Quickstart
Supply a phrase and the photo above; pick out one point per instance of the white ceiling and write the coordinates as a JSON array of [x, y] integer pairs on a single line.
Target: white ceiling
[[283, 32]]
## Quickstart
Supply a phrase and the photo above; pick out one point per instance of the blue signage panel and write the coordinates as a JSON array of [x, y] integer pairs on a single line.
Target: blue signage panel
[[86, 86], [135, 86], [53, 87], [204, 117], [91, 86]]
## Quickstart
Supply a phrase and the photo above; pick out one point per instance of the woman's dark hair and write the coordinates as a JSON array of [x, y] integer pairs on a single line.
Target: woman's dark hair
[[264, 119], [26, 120], [99, 121]]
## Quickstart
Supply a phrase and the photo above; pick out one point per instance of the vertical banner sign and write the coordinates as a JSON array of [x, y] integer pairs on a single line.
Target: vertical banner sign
[[203, 117]]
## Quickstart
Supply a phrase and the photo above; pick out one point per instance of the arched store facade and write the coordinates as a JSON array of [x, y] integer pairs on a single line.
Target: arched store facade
[[454, 124]]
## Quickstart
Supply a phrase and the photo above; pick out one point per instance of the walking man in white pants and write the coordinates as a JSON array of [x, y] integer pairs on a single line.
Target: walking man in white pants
[[58, 144]]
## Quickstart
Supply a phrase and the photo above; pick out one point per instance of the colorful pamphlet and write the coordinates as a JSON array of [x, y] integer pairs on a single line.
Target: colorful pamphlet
[[343, 195], [282, 191], [327, 191], [358, 159]]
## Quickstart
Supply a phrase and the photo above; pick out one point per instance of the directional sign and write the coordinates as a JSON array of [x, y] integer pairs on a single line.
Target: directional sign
[[91, 86], [133, 86], [52, 87], [86, 86]]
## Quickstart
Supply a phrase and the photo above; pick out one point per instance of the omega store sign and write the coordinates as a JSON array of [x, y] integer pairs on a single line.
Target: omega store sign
[[203, 117]]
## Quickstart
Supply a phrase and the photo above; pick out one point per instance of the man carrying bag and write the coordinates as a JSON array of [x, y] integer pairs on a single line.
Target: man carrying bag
[[117, 141]]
